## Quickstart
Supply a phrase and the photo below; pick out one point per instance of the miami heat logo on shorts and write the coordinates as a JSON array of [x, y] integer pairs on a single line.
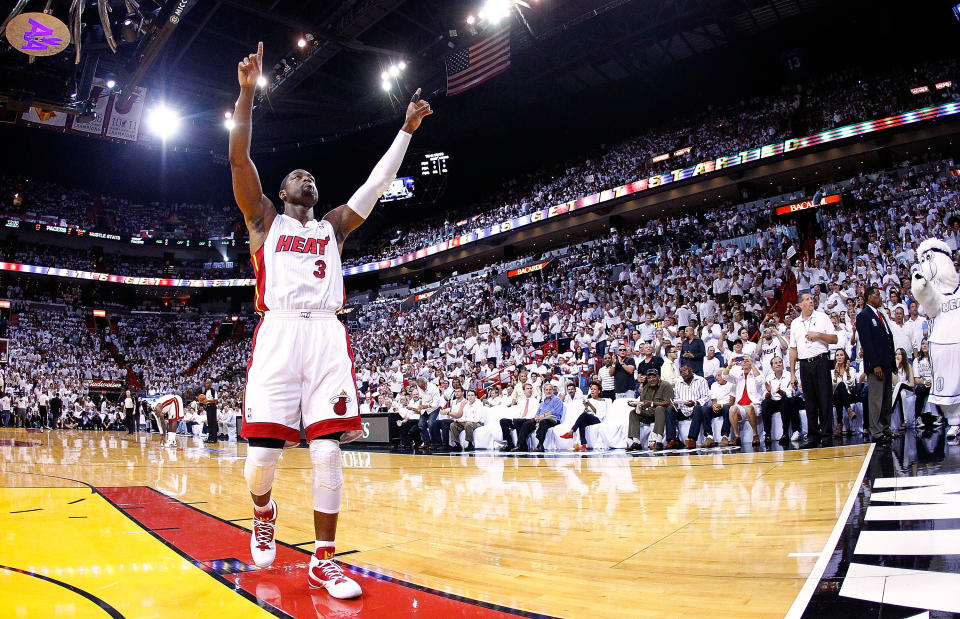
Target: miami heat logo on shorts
[[340, 403]]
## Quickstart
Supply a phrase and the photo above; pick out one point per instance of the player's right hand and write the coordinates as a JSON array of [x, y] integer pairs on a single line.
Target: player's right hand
[[249, 68]]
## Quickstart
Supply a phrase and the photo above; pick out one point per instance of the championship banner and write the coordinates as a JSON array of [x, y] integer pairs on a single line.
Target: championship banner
[[101, 97], [36, 116], [124, 124], [703, 168]]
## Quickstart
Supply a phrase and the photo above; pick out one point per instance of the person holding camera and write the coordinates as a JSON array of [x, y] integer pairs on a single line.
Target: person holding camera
[[622, 370]]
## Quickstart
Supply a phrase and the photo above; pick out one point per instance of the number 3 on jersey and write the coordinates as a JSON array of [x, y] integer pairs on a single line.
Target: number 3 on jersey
[[321, 271]]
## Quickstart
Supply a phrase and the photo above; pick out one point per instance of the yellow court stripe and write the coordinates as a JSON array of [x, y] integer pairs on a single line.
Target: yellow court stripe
[[102, 552]]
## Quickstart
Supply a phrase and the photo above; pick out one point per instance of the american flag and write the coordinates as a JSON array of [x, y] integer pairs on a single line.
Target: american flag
[[481, 61]]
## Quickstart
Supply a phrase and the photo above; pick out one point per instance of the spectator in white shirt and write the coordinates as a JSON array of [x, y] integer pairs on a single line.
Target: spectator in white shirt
[[748, 392], [595, 410], [779, 398], [467, 417]]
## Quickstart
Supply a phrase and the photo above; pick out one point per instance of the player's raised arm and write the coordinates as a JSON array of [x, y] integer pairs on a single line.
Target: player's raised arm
[[348, 217], [258, 210]]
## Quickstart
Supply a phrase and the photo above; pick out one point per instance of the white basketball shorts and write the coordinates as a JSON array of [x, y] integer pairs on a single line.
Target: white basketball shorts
[[172, 407], [945, 363], [301, 368]]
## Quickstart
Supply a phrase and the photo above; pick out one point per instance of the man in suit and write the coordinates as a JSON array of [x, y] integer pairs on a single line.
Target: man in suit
[[874, 334]]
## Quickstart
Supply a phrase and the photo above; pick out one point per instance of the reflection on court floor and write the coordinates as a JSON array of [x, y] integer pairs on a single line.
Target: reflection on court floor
[[163, 532]]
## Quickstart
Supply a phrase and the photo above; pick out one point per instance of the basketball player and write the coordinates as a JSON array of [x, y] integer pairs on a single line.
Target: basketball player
[[169, 410], [301, 365]]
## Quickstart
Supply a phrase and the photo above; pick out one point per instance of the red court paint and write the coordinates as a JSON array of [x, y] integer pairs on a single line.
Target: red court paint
[[207, 539]]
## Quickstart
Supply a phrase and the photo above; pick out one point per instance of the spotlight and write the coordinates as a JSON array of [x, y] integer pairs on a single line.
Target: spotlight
[[229, 124], [496, 10], [402, 65], [471, 20], [163, 121], [385, 86], [129, 31], [228, 114], [394, 71], [302, 43], [384, 76], [262, 81], [111, 83]]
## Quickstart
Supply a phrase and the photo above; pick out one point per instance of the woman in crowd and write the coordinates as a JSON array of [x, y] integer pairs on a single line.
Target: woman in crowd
[[594, 411], [922, 377], [904, 379], [845, 389]]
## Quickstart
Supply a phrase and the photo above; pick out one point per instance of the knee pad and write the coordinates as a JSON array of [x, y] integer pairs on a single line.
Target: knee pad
[[260, 467], [327, 475]]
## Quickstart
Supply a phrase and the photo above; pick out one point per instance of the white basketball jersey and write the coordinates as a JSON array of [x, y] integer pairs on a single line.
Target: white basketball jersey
[[298, 267]]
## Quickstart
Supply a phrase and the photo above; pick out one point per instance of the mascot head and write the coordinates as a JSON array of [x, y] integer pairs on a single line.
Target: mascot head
[[935, 263]]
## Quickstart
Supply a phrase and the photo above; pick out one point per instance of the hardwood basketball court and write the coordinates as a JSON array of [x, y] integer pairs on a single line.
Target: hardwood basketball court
[[97, 525]]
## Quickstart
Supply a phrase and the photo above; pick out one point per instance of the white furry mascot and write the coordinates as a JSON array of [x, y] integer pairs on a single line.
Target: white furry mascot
[[935, 287]]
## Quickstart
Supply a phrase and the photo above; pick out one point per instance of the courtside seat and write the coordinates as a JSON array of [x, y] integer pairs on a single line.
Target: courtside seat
[[490, 435], [553, 441], [611, 433]]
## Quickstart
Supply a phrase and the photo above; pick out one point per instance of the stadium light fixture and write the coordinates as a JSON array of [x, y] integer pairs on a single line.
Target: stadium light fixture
[[394, 71], [229, 124], [111, 83], [402, 65], [262, 81], [384, 76], [496, 10], [228, 114], [302, 43], [385, 85], [471, 20], [163, 121]]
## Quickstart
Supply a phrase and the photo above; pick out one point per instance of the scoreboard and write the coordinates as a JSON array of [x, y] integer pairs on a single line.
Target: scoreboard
[[434, 164]]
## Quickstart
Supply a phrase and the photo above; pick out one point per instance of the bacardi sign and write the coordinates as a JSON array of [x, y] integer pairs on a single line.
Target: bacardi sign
[[802, 206], [530, 268]]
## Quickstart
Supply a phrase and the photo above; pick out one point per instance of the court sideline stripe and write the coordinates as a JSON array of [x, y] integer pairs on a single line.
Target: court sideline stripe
[[110, 610], [803, 598], [270, 608]]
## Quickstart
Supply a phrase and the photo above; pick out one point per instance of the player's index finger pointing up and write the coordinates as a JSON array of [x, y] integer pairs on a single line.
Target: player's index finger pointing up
[[260, 54]]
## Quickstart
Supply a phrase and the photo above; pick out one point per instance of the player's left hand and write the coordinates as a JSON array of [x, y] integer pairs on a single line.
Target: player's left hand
[[416, 111]]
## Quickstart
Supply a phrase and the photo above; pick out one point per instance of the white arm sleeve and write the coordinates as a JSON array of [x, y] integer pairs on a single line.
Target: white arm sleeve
[[364, 199]]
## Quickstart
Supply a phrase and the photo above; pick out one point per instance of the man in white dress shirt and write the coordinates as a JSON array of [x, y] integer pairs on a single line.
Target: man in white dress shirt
[[811, 334], [468, 416], [778, 398]]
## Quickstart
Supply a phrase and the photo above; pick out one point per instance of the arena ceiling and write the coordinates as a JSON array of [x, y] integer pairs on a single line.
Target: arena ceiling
[[557, 47]]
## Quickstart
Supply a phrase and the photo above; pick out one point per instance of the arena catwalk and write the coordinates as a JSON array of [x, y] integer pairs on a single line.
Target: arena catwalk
[[98, 524]]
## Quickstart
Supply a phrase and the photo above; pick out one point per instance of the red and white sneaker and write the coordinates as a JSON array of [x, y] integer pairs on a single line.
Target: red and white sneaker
[[263, 547], [325, 573]]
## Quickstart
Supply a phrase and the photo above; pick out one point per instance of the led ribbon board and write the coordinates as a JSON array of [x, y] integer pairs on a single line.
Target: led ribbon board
[[700, 169], [123, 279]]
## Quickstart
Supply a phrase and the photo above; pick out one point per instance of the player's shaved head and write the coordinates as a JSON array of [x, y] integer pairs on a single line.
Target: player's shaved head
[[299, 187]]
